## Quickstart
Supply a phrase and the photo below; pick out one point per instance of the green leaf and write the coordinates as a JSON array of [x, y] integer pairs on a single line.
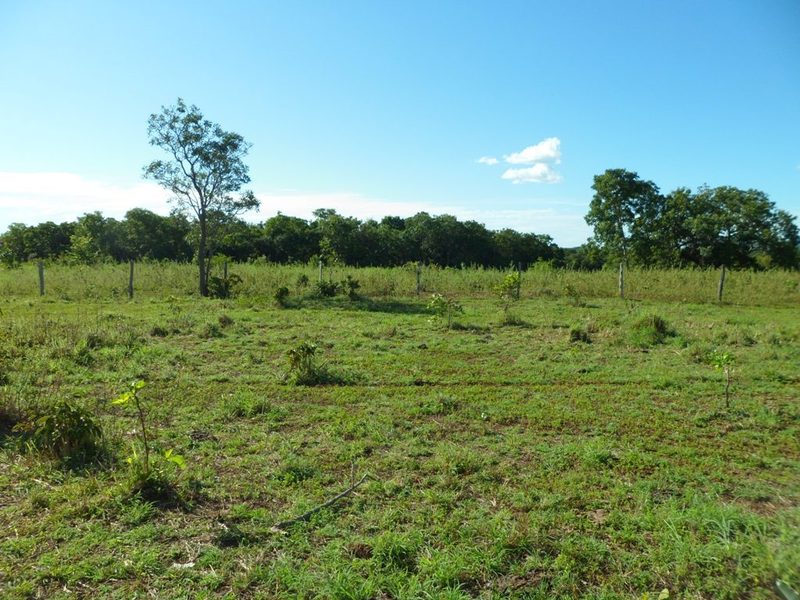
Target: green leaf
[[123, 398], [176, 459], [664, 595], [786, 592]]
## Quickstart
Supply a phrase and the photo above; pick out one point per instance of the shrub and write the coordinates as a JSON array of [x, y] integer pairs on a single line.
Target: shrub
[[66, 431], [325, 289], [578, 334], [225, 321], [350, 287], [650, 330], [302, 281], [281, 296], [444, 308], [304, 369], [223, 287]]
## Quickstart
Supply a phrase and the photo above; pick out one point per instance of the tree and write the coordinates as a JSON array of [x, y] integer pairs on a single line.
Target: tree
[[623, 210], [204, 169]]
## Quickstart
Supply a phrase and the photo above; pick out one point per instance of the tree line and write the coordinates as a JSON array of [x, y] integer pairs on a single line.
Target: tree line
[[204, 169], [329, 236]]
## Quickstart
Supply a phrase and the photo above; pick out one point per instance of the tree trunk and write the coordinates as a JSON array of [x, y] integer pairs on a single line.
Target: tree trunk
[[202, 260]]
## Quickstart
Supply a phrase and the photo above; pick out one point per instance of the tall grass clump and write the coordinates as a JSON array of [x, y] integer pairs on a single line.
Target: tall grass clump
[[650, 330]]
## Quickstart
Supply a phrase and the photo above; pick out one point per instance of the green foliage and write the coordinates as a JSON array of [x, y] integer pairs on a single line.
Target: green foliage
[[444, 308], [579, 334], [724, 361], [66, 431], [507, 290], [571, 292], [650, 330], [785, 591], [302, 281], [149, 478], [222, 287], [326, 289], [350, 287], [281, 296], [303, 366]]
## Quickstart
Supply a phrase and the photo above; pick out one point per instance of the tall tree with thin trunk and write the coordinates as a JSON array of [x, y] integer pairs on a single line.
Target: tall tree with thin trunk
[[203, 170]]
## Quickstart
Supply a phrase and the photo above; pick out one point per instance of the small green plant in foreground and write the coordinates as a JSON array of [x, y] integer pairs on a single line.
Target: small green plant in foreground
[[444, 308], [723, 361], [150, 478]]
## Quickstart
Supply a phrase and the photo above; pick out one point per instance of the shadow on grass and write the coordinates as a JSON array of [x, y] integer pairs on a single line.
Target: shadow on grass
[[359, 304]]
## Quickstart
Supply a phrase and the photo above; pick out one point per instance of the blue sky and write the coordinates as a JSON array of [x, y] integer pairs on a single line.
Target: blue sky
[[382, 107]]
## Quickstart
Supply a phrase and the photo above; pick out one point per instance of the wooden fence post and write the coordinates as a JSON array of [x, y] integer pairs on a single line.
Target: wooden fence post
[[419, 277], [40, 265], [130, 282], [721, 284], [622, 280], [320, 270]]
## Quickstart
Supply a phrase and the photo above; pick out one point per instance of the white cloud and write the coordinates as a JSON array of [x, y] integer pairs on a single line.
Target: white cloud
[[538, 173], [488, 160], [546, 150], [33, 198]]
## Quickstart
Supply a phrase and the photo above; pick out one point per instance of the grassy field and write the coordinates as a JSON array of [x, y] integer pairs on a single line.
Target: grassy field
[[584, 451]]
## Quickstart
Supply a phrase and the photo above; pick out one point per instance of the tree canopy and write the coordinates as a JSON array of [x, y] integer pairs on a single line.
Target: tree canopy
[[204, 168]]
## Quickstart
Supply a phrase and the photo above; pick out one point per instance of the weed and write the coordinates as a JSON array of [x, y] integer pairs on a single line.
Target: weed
[[326, 289], [350, 287], [579, 334], [444, 308], [723, 361], [507, 292], [302, 281], [575, 298], [225, 320], [66, 431], [210, 330], [158, 331], [223, 287], [149, 479], [650, 330], [281, 296]]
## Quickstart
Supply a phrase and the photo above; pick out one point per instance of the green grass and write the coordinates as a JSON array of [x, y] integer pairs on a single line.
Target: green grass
[[506, 461]]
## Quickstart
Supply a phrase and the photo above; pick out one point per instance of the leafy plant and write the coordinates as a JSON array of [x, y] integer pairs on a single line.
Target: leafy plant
[[508, 291], [723, 361], [444, 308], [304, 368], [302, 281], [65, 430], [281, 296], [326, 289], [223, 287], [650, 330], [579, 334], [152, 480], [350, 287], [574, 295]]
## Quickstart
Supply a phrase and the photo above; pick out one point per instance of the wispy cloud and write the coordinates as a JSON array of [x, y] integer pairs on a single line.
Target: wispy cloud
[[538, 173], [539, 159], [548, 150], [36, 197]]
